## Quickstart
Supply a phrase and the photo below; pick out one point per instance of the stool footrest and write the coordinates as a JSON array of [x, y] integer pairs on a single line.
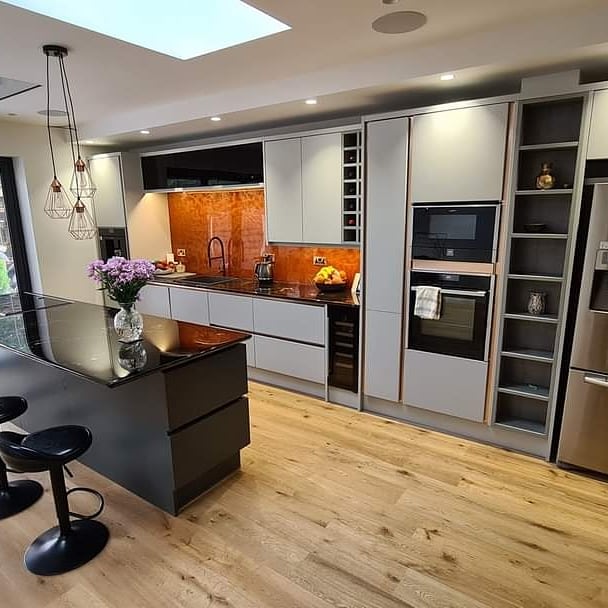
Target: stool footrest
[[94, 493]]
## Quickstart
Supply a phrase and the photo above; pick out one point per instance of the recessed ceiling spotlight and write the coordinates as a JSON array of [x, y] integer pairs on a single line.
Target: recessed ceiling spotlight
[[311, 102], [216, 118], [12, 114], [390, 1], [53, 113], [447, 77], [399, 22], [88, 142], [145, 132]]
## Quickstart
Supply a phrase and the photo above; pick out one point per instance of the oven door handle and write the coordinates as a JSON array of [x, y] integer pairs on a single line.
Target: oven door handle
[[596, 381], [461, 292]]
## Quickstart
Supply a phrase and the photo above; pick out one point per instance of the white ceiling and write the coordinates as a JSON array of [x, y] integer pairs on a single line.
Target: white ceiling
[[331, 53]]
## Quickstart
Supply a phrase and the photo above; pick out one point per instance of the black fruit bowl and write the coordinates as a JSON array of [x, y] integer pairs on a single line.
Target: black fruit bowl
[[323, 288]]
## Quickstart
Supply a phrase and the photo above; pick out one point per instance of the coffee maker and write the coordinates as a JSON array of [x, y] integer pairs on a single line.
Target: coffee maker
[[263, 270]]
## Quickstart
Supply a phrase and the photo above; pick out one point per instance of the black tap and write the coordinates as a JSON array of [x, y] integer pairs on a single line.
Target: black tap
[[222, 255]]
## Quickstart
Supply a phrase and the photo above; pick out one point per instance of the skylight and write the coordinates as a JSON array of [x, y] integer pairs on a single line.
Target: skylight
[[180, 28]]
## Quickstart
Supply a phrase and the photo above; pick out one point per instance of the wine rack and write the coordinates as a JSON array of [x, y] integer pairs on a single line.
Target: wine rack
[[351, 187]]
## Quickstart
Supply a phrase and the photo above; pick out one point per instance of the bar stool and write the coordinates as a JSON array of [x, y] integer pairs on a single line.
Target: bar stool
[[15, 496], [71, 544]]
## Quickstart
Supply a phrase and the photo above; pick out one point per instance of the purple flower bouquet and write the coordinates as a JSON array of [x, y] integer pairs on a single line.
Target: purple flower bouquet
[[121, 278]]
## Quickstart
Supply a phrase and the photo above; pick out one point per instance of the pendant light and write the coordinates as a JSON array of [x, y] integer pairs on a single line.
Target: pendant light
[[58, 204], [82, 224]]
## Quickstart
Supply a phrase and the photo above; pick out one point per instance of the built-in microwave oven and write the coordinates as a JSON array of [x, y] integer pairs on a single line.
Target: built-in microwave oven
[[463, 328], [458, 233]]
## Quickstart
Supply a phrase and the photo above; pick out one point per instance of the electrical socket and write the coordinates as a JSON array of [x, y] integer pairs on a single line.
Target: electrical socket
[[319, 260], [181, 253]]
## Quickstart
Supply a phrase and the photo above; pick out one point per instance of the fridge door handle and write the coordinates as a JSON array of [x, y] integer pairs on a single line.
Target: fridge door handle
[[601, 381]]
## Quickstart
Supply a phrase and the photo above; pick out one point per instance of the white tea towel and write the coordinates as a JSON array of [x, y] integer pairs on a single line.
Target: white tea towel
[[428, 303]]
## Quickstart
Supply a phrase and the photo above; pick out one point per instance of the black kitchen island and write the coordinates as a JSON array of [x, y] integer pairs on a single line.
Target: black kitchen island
[[169, 415]]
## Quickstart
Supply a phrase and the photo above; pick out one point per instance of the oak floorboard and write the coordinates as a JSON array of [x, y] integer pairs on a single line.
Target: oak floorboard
[[334, 508]]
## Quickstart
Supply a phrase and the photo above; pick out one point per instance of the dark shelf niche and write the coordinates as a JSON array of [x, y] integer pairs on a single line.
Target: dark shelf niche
[[549, 122]]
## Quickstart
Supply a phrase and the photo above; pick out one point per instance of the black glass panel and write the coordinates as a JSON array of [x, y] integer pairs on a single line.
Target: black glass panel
[[230, 165]]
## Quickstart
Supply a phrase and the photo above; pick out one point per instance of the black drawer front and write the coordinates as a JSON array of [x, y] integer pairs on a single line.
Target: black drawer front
[[210, 441], [219, 379]]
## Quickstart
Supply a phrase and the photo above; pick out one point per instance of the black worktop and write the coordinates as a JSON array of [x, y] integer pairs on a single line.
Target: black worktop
[[277, 289], [80, 338], [15, 303]]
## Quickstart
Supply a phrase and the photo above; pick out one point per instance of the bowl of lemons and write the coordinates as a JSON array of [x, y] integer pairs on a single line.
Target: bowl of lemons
[[330, 279]]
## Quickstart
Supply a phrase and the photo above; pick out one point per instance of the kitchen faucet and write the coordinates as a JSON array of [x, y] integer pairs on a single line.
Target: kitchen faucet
[[221, 257]]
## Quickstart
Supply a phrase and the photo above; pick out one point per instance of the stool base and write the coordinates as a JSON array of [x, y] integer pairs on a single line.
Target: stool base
[[19, 496], [52, 553]]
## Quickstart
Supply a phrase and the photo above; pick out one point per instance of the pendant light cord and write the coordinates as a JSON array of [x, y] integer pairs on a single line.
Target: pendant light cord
[[67, 85], [48, 118], [67, 111]]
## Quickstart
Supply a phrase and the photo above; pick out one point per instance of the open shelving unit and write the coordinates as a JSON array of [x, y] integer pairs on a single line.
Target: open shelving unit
[[540, 235], [351, 188]]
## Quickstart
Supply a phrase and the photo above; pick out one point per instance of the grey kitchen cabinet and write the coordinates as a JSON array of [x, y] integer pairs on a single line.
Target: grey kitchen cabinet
[[290, 358], [107, 174], [386, 154], [301, 322], [303, 181], [154, 300], [322, 188], [387, 142], [598, 134], [446, 385], [233, 312], [189, 305], [283, 185], [382, 377], [459, 155]]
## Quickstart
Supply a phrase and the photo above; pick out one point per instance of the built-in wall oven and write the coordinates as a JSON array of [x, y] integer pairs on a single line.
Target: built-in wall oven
[[458, 233], [463, 328]]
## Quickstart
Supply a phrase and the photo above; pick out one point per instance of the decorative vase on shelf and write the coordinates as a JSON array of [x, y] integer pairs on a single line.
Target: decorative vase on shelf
[[133, 356], [545, 180], [537, 303], [128, 323]]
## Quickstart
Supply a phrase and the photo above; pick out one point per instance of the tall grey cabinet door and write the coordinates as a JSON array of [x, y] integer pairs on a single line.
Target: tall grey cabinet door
[[382, 355], [385, 207], [459, 155], [283, 181], [106, 172], [322, 188], [386, 164]]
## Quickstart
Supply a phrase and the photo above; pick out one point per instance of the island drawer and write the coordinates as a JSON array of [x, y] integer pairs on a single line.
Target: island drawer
[[290, 358], [234, 312], [209, 442], [217, 380], [302, 322]]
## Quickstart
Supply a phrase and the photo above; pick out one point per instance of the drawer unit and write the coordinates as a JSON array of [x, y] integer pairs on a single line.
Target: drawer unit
[[289, 358], [233, 312], [154, 300], [189, 305], [302, 322]]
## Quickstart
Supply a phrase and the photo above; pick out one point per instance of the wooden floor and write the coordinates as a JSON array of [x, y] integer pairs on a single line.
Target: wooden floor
[[334, 508]]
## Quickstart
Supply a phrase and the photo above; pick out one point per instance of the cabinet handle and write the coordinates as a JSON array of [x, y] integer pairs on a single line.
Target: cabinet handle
[[600, 381], [461, 292]]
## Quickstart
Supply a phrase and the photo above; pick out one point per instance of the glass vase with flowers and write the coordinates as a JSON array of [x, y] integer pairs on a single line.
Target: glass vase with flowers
[[122, 280]]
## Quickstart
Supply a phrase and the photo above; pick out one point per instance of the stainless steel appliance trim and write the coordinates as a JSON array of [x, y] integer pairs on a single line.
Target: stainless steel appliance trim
[[596, 380], [455, 205], [460, 292]]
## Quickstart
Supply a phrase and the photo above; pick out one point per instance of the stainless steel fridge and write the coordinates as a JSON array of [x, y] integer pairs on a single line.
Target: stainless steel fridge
[[584, 435]]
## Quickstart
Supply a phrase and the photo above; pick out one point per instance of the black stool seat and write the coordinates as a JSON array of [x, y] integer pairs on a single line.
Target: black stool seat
[[60, 444], [15, 496], [11, 408], [71, 544]]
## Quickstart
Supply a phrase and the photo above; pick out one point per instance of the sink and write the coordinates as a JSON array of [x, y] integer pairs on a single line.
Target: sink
[[202, 279]]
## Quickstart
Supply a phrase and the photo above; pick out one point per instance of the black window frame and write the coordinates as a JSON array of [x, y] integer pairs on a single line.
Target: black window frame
[[15, 223]]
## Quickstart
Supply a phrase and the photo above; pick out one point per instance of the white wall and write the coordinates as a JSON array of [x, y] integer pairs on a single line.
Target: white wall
[[148, 226], [57, 261]]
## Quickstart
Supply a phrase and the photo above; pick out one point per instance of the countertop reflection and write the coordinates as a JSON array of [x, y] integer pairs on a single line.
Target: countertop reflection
[[80, 338]]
